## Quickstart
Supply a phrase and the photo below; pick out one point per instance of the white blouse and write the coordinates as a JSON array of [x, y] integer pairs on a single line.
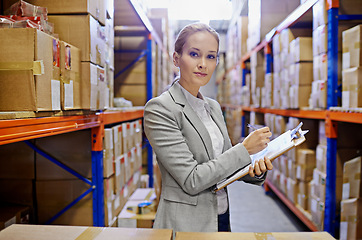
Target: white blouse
[[202, 109]]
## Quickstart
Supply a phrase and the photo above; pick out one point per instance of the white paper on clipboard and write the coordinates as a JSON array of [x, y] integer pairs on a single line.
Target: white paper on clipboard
[[275, 148]]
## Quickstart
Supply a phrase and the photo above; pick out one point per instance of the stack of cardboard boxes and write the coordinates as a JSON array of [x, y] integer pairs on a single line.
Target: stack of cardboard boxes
[[124, 161], [63, 72], [264, 15], [351, 65], [292, 68], [351, 204]]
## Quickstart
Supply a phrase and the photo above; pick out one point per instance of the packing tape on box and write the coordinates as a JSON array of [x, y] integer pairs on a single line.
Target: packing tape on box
[[90, 233], [352, 218], [264, 236], [36, 66]]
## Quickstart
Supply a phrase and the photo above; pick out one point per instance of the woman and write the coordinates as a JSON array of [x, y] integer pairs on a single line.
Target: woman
[[189, 137]]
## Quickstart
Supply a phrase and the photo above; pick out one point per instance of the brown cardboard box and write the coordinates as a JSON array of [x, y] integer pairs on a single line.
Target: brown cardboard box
[[253, 236], [11, 214], [351, 224], [305, 164], [29, 70], [108, 153], [20, 231], [17, 161], [321, 158], [70, 76], [352, 88], [317, 211], [69, 7], [351, 47], [89, 85], [82, 31], [130, 219], [299, 96], [137, 94], [352, 179], [292, 190], [318, 96], [302, 74], [301, 49], [23, 197]]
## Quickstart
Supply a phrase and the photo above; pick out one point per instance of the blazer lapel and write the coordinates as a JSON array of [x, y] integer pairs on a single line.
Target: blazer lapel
[[179, 98]]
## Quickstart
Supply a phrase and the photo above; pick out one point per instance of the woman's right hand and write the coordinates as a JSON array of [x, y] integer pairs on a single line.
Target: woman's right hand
[[257, 140]]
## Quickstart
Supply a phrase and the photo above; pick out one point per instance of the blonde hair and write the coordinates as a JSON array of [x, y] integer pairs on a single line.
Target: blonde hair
[[190, 29]]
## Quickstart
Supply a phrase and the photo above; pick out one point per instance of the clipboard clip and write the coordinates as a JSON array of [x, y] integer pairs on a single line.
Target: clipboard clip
[[298, 132]]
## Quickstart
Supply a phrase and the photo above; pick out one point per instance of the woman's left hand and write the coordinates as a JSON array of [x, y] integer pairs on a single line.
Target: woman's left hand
[[260, 167]]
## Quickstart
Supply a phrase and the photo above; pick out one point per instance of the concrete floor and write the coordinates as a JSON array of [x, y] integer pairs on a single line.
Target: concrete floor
[[253, 210]]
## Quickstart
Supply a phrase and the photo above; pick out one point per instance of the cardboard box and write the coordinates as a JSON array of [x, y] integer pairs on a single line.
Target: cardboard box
[[30, 73], [320, 67], [318, 96], [130, 219], [350, 225], [292, 190], [91, 75], [299, 96], [17, 161], [352, 88], [23, 197], [20, 231], [317, 211], [70, 76], [83, 32], [352, 179], [305, 164], [108, 156], [96, 8], [252, 236], [302, 74], [321, 158], [301, 49], [351, 47], [11, 214]]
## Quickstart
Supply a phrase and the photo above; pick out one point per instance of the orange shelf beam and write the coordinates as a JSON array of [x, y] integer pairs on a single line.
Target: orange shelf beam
[[292, 207], [110, 117], [25, 129], [310, 114], [350, 117]]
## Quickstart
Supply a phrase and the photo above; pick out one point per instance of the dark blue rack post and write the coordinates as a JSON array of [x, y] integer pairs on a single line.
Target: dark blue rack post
[[149, 96], [97, 176], [331, 218]]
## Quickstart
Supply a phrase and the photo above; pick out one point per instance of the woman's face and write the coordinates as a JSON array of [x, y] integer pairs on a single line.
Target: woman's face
[[197, 61]]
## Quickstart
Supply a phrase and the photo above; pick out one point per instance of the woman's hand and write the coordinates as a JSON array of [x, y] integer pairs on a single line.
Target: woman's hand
[[257, 140], [260, 167]]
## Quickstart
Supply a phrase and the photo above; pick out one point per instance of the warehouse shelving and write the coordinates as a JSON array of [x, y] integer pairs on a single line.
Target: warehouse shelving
[[331, 117], [150, 33], [25, 129]]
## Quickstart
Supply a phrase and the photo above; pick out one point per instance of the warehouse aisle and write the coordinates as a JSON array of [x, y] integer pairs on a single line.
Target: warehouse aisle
[[251, 210]]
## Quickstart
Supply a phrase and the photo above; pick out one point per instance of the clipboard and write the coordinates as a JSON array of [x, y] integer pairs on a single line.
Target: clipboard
[[275, 148]]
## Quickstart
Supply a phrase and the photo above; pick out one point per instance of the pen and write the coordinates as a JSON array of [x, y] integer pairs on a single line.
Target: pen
[[252, 127]]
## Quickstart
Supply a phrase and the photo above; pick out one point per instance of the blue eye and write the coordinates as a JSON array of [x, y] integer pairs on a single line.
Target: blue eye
[[211, 56], [194, 54]]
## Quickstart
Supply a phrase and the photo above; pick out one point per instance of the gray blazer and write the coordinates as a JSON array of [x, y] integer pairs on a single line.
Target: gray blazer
[[186, 160]]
